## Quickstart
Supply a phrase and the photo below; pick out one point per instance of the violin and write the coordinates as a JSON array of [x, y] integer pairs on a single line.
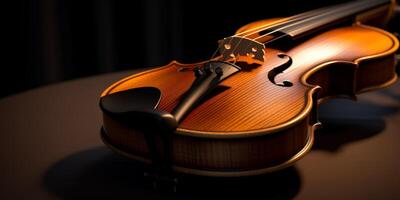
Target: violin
[[252, 108]]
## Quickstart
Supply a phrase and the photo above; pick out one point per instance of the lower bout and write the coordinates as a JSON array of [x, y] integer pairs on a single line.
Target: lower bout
[[220, 157]]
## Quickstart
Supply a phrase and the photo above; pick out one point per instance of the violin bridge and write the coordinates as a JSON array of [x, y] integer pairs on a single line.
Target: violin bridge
[[238, 48]]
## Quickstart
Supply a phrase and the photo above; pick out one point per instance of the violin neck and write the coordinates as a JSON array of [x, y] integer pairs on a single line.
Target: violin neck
[[309, 22]]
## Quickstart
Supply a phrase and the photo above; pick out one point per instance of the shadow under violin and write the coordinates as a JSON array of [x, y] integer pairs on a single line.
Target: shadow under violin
[[100, 173]]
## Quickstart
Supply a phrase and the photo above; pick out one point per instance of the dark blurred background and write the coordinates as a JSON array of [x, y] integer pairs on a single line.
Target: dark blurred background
[[57, 40]]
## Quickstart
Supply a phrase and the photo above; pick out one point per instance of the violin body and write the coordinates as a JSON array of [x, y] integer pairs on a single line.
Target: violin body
[[250, 125]]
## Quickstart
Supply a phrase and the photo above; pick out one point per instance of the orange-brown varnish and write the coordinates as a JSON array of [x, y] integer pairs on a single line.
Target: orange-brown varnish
[[254, 126]]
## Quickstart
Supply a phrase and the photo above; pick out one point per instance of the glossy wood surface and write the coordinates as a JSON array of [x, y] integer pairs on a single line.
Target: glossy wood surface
[[249, 125], [250, 102]]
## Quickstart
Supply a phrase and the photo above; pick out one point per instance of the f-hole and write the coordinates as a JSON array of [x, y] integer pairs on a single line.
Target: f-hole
[[277, 70]]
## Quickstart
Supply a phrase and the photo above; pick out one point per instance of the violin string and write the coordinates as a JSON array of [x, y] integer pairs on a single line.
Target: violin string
[[308, 19], [285, 21], [277, 38], [216, 51], [278, 23], [275, 23], [240, 40], [342, 9], [233, 50], [282, 21], [298, 17]]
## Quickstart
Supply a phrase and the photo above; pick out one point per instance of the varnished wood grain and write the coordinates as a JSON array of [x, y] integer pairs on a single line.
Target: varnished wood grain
[[252, 102], [253, 126], [218, 157]]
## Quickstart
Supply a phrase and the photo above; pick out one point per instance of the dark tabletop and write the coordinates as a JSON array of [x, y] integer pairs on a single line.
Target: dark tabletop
[[50, 149]]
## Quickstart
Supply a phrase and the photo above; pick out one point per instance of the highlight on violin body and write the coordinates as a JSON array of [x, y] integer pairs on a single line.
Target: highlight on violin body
[[252, 107]]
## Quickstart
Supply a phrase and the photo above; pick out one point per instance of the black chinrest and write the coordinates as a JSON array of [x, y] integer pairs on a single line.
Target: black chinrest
[[137, 108]]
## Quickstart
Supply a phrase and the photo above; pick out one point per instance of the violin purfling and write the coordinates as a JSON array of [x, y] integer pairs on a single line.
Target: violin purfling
[[253, 107]]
